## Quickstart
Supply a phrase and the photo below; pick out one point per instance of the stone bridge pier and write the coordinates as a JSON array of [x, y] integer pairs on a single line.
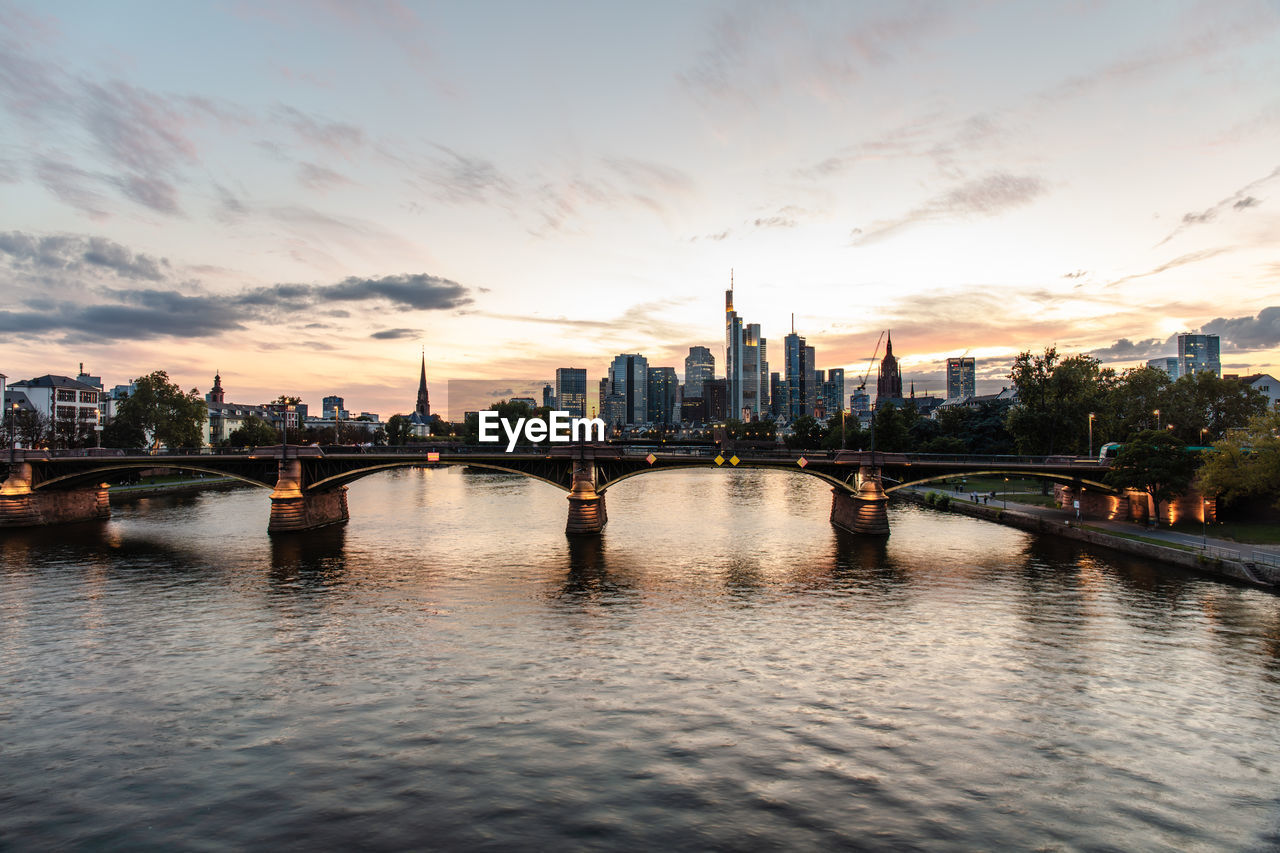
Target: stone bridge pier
[[865, 510], [21, 506], [587, 514], [293, 509]]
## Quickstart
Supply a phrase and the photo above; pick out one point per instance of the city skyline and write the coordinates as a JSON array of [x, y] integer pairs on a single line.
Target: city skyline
[[306, 212]]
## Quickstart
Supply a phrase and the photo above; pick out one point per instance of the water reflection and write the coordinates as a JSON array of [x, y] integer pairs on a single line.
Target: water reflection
[[310, 561], [721, 669], [590, 580]]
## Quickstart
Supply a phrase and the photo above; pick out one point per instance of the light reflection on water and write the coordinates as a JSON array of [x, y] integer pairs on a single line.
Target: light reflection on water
[[721, 669]]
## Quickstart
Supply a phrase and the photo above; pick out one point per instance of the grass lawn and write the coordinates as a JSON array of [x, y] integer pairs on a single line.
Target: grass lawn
[[1252, 533]]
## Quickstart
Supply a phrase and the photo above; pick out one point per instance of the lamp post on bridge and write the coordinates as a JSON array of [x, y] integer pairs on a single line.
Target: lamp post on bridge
[[13, 433], [1091, 417], [1156, 412]]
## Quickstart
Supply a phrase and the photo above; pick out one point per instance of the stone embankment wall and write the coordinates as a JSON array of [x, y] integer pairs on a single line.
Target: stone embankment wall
[[1254, 574]]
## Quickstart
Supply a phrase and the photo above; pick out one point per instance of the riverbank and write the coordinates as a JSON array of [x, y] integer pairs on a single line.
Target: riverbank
[[1245, 564]]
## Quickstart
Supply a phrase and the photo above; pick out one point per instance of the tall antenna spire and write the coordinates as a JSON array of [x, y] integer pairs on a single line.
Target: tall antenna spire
[[731, 278], [793, 322]]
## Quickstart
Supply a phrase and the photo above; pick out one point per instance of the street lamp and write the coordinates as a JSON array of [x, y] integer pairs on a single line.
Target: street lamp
[[13, 432], [1006, 493], [1204, 431], [1091, 417], [1157, 414]]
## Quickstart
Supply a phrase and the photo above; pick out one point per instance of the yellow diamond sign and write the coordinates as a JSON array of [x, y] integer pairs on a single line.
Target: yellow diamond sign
[[651, 459], [719, 460], [802, 462], [734, 460]]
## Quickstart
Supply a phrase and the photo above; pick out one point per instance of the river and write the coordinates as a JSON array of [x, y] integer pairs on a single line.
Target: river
[[720, 670]]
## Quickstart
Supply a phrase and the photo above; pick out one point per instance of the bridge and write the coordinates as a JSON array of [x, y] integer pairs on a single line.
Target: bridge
[[309, 484]]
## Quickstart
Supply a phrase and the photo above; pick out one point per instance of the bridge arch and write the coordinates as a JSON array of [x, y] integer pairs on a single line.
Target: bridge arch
[[788, 467], [350, 476], [97, 473], [1062, 479]]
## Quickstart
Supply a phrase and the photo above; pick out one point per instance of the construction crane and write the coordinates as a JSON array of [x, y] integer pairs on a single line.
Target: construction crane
[[862, 386]]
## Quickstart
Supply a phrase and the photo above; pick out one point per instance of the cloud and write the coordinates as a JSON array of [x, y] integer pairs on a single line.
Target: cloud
[[1237, 334], [460, 179], [1248, 333], [68, 284], [990, 195], [229, 206], [767, 50], [319, 177], [1127, 350], [71, 253], [72, 186], [1239, 200], [338, 137], [1181, 260], [395, 334]]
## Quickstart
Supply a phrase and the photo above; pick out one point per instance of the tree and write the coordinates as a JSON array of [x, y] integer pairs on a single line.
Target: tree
[[254, 432], [806, 434], [893, 427], [30, 428], [1155, 462], [1055, 398], [118, 432], [1201, 407], [397, 430], [855, 437], [1246, 464], [1128, 404], [160, 409]]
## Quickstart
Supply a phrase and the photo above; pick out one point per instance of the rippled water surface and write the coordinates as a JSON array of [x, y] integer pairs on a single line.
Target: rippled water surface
[[721, 669]]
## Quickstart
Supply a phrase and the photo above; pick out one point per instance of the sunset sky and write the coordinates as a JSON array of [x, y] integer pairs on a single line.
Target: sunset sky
[[304, 195]]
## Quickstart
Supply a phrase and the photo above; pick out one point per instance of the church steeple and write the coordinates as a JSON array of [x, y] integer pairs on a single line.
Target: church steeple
[[216, 394], [424, 401]]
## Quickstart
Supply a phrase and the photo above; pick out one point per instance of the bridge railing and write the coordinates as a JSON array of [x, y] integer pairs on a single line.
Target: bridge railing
[[707, 451], [1001, 459]]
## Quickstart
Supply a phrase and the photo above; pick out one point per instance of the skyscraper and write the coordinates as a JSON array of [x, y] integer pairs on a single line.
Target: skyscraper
[[812, 388], [732, 352], [714, 396], [1199, 354], [699, 367], [798, 371], [629, 379], [755, 374], [662, 395], [960, 377], [833, 391], [571, 390], [889, 384]]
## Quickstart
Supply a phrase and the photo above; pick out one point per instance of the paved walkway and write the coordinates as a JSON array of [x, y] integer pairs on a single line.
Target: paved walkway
[[1258, 553]]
